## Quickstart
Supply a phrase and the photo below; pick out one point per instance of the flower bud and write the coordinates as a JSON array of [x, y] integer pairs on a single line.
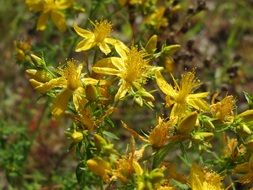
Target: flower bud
[[77, 136], [37, 60], [170, 50], [203, 136], [169, 64], [99, 167], [99, 141], [35, 83], [243, 129], [188, 123], [39, 75], [91, 92], [20, 55], [156, 176], [246, 115], [151, 44]]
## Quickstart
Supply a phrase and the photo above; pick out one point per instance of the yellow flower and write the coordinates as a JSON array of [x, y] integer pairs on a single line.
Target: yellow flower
[[160, 134], [157, 18], [132, 68], [201, 179], [181, 96], [71, 83], [246, 169], [50, 8], [223, 110], [99, 36], [100, 167], [128, 164]]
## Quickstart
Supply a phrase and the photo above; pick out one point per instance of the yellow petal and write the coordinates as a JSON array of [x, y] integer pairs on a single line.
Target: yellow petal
[[104, 48], [119, 46], [124, 88], [79, 98], [34, 5], [178, 110], [64, 4], [91, 81], [82, 32], [164, 86], [58, 82], [35, 83], [85, 45], [197, 103], [105, 70], [117, 62], [59, 20], [106, 62], [137, 168], [41, 24], [60, 103], [200, 95]]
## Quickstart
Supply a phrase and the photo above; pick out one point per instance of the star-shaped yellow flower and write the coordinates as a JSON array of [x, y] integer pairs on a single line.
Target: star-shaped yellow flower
[[201, 179], [50, 8], [132, 68], [181, 96], [71, 83], [98, 37], [223, 110]]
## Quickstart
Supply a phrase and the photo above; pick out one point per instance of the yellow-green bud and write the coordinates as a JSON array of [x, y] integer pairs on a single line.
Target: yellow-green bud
[[203, 135], [39, 75], [188, 123], [151, 44], [156, 175], [243, 129], [37, 60], [99, 141], [170, 50], [91, 92], [99, 167], [246, 115], [77, 136]]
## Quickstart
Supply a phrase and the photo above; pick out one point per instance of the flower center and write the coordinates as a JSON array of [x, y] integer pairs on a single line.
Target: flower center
[[49, 5], [136, 65], [72, 76], [102, 30], [187, 85]]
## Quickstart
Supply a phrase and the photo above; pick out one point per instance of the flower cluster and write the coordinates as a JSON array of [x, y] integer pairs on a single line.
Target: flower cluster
[[91, 92]]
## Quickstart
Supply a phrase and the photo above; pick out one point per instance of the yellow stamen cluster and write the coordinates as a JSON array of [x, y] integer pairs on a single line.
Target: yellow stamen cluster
[[135, 65], [223, 110], [72, 76], [187, 85], [202, 179], [159, 135], [102, 30]]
